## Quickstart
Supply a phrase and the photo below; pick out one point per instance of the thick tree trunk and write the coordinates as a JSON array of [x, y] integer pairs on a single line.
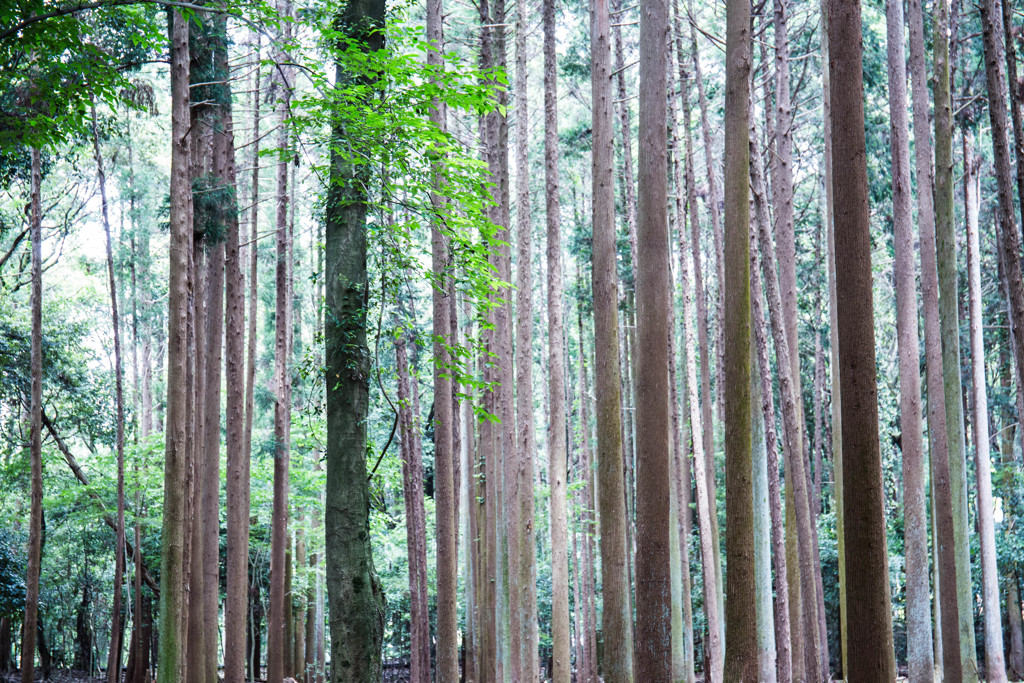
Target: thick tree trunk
[[920, 662], [616, 620], [354, 591], [1016, 630], [741, 662], [938, 447], [652, 645], [172, 599], [35, 525], [870, 640]]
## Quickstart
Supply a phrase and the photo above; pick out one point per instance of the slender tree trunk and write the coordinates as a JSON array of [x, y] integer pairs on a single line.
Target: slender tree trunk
[[616, 620], [276, 619], [415, 521], [556, 437], [783, 637], [35, 527], [237, 519], [1015, 93], [444, 416], [938, 446], [995, 666], [945, 240], [114, 652], [355, 593], [870, 641], [920, 662], [172, 599], [1016, 630]]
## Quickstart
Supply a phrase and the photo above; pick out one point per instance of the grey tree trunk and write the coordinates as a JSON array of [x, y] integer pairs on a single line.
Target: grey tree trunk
[[920, 662]]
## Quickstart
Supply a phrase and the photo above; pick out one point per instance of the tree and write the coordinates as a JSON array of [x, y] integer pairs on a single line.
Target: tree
[[169, 665], [938, 445], [995, 666], [354, 593], [35, 529], [869, 620], [557, 449], [915, 520], [740, 630], [616, 621], [116, 633]]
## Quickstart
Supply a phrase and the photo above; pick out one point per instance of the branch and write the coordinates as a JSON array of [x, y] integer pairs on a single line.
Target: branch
[[80, 475]]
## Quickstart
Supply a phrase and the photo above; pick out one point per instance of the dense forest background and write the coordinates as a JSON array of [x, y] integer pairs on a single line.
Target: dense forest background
[[409, 341]]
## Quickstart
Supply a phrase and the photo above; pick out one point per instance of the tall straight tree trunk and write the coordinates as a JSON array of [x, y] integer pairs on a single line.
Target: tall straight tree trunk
[[590, 530], [870, 641], [250, 363], [237, 518], [1015, 94], [114, 651], [616, 618], [952, 665], [795, 464], [354, 591], [523, 570], [920, 656], [945, 241], [172, 599], [1016, 628], [415, 520], [444, 416], [35, 525], [652, 645], [561, 670], [995, 666], [741, 662], [277, 643], [783, 633]]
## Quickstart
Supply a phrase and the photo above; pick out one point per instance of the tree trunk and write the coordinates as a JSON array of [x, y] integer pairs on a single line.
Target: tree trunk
[[869, 620], [995, 666], [616, 620], [415, 521], [172, 599], [1016, 630], [783, 635], [938, 447], [556, 438], [237, 518], [945, 240], [652, 645], [35, 528], [277, 644], [114, 651], [354, 591], [920, 662]]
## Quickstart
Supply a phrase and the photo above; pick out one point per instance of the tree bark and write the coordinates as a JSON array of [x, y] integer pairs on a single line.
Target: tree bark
[[354, 591], [35, 528], [995, 666], [869, 620], [938, 447], [237, 518], [616, 621], [172, 602], [920, 662], [556, 437], [415, 521]]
